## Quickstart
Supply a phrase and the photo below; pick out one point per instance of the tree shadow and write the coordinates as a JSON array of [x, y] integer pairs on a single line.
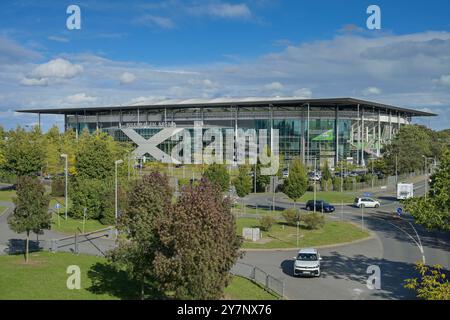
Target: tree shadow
[[17, 246], [106, 279], [391, 226]]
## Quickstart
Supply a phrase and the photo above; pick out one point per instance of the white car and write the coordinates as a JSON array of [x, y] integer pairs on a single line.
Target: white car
[[366, 203], [307, 262]]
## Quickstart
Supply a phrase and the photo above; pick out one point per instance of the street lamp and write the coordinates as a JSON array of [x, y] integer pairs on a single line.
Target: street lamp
[[66, 170], [425, 159], [116, 163]]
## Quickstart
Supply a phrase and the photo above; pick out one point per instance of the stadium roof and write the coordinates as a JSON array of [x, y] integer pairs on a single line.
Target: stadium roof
[[225, 102]]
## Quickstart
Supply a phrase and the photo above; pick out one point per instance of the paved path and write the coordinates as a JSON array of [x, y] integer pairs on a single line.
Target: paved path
[[11, 242]]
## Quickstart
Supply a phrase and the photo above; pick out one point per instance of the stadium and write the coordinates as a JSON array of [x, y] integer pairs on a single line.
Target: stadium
[[332, 130]]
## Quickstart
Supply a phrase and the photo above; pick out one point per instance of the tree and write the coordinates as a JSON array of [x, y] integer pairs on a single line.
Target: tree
[[313, 220], [434, 211], [243, 182], [89, 194], [326, 172], [218, 174], [24, 152], [262, 181], [200, 244], [95, 157], [31, 209], [296, 184], [149, 203], [406, 150], [433, 284]]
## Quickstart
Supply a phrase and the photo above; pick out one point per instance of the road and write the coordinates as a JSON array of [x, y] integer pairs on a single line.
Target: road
[[396, 247]]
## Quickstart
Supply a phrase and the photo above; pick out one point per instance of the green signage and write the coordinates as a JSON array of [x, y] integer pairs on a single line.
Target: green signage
[[325, 136]]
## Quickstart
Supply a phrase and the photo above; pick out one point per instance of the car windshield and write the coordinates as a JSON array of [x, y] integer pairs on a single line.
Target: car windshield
[[307, 256]]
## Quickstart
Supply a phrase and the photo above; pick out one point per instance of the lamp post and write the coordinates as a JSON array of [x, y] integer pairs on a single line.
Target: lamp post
[[116, 163], [66, 174], [425, 160]]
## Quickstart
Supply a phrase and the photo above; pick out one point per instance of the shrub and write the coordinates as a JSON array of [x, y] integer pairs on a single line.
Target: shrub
[[291, 216], [58, 187], [337, 183], [182, 182], [313, 220], [267, 222], [348, 183]]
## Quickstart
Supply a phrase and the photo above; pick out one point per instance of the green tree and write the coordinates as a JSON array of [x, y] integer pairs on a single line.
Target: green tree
[[313, 220], [200, 244], [262, 181], [149, 202], [296, 184], [95, 156], [218, 174], [90, 194], [406, 150], [31, 209], [326, 172], [243, 182], [24, 152], [434, 211], [432, 284]]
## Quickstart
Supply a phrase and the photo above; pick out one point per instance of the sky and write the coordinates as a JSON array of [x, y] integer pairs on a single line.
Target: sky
[[143, 51]]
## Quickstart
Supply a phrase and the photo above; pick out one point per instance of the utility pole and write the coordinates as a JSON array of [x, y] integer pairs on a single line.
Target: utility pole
[[116, 211], [66, 174]]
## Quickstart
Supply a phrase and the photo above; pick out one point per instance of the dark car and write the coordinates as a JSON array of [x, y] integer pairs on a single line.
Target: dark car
[[321, 206]]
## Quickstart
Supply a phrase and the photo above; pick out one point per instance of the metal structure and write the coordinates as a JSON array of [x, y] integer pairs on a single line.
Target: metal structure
[[330, 130]]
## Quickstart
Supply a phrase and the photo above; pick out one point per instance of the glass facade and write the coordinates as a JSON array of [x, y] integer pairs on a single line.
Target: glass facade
[[351, 133]]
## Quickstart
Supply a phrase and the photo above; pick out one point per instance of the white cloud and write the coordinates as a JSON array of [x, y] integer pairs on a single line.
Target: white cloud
[[80, 98], [155, 21], [58, 38], [57, 68], [127, 77], [34, 82], [371, 91], [303, 93], [445, 80], [226, 10], [274, 86], [221, 10]]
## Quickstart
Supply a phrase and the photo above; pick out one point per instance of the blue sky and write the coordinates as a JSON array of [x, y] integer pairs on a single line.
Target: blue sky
[[137, 51]]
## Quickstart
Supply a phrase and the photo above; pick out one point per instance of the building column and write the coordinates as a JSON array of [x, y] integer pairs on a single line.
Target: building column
[[39, 120], [379, 134], [358, 143], [308, 144], [362, 137], [390, 125]]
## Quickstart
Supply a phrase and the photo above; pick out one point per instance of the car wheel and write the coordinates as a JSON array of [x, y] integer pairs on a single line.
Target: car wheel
[[377, 206]]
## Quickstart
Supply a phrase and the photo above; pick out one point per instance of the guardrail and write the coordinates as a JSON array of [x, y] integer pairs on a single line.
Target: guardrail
[[259, 276], [77, 238]]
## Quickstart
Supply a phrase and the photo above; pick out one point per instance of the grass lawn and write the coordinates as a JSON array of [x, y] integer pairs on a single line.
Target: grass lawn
[[45, 277], [2, 210], [244, 289], [284, 236], [7, 195], [70, 226]]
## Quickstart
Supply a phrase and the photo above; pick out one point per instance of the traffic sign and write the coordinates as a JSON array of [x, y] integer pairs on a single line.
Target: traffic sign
[[57, 206], [399, 211]]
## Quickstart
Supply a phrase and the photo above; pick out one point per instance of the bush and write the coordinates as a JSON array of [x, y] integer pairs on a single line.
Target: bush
[[325, 185], [182, 182], [267, 222], [291, 216], [58, 187], [348, 183], [313, 220], [337, 183]]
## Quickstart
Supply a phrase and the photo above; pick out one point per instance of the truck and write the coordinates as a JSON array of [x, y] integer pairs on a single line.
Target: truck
[[405, 191]]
